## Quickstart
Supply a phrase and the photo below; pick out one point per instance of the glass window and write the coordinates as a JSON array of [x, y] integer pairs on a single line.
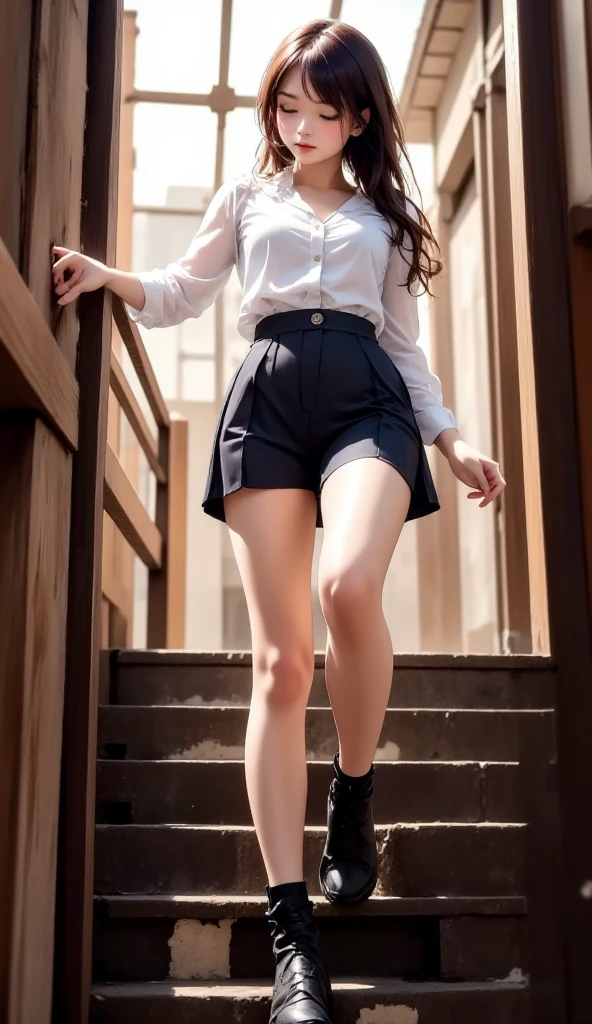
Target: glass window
[[175, 148], [178, 45], [240, 142], [258, 27]]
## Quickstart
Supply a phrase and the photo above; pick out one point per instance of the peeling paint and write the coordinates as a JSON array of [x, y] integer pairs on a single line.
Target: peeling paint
[[388, 1015], [389, 752], [515, 977], [200, 950], [209, 750]]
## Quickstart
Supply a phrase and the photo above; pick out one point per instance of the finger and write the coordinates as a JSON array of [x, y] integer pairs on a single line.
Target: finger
[[492, 496], [66, 286], [482, 481], [70, 296], [65, 263]]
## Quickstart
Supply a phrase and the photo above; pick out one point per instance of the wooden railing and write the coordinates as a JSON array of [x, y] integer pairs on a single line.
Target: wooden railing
[[160, 544]]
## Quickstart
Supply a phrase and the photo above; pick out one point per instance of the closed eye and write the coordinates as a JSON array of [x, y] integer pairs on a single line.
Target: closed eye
[[324, 117]]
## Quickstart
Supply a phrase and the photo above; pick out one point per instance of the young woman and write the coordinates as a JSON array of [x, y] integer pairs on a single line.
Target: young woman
[[324, 423]]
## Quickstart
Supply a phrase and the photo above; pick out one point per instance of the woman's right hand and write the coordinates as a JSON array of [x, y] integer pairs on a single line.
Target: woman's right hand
[[85, 274]]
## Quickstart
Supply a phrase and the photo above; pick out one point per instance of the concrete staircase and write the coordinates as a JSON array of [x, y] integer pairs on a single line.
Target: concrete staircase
[[180, 934]]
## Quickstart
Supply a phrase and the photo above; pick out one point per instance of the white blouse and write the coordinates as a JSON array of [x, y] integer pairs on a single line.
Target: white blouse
[[287, 258]]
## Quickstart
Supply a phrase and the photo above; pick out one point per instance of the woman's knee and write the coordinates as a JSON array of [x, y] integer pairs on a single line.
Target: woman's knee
[[283, 677], [348, 597]]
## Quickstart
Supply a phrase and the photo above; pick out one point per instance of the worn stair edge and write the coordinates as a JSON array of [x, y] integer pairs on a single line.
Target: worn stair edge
[[149, 732], [431, 859], [154, 791], [221, 906], [356, 1000], [402, 660]]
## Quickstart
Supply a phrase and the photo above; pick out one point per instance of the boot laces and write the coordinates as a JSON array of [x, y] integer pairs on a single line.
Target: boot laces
[[302, 956]]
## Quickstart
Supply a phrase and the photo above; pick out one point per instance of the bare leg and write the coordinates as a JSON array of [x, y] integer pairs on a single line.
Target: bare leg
[[364, 504], [272, 533]]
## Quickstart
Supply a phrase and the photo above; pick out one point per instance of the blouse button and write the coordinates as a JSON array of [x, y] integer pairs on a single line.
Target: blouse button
[[317, 259]]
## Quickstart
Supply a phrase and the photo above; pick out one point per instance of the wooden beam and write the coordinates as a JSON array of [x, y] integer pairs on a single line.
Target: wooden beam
[[214, 100], [131, 410], [15, 49], [549, 401], [55, 155], [77, 819], [512, 533], [34, 373], [34, 537], [438, 540], [132, 340], [518, 124], [166, 594], [127, 512]]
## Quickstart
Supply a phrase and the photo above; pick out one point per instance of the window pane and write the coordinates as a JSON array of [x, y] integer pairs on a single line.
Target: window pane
[[175, 149], [242, 136], [258, 27], [178, 46]]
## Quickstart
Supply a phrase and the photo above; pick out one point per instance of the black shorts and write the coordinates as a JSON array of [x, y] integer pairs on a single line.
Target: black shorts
[[314, 391]]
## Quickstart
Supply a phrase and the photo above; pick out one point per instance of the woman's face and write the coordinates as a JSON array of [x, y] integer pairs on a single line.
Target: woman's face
[[311, 130]]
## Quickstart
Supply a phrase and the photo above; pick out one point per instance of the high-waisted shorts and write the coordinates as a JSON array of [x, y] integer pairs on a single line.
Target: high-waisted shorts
[[314, 391]]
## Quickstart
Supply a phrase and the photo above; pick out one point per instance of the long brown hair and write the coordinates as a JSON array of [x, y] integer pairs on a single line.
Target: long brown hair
[[346, 72]]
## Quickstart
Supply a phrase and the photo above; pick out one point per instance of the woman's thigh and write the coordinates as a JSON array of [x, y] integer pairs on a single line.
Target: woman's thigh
[[272, 531], [364, 505]]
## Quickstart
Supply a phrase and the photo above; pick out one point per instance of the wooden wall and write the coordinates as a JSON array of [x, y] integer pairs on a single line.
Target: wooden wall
[[58, 145], [42, 90]]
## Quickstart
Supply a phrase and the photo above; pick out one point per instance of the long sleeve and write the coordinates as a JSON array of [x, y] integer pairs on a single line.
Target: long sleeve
[[399, 339], [189, 285]]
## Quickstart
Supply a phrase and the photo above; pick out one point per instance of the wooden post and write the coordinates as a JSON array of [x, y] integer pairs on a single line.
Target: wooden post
[[34, 522], [553, 492], [166, 594], [15, 46], [437, 536], [99, 199]]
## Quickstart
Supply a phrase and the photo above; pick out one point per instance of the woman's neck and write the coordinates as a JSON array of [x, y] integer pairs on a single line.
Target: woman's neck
[[327, 174]]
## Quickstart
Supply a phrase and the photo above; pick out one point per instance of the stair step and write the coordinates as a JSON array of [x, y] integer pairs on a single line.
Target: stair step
[[362, 1000], [441, 859], [215, 793], [212, 733], [420, 680], [217, 907], [153, 939]]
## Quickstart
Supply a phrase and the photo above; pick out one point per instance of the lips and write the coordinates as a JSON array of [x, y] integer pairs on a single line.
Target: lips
[[303, 145]]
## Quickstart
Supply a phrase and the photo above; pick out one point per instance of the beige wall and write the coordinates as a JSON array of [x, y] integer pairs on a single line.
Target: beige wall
[[473, 412]]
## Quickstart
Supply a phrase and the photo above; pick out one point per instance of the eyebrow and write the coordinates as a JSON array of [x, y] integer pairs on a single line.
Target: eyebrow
[[282, 92]]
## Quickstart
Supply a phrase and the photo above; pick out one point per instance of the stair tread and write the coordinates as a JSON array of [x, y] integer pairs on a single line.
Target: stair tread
[[234, 708], [317, 829], [134, 656], [260, 986], [229, 760], [214, 906]]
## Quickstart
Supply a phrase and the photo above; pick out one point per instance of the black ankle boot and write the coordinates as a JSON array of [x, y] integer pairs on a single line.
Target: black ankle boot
[[349, 866], [302, 990]]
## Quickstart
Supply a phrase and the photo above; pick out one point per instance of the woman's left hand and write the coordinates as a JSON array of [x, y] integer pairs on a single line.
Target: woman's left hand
[[476, 470]]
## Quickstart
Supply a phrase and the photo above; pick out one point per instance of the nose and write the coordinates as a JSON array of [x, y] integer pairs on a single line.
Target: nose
[[303, 128]]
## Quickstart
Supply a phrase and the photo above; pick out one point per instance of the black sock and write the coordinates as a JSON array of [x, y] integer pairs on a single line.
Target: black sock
[[298, 890]]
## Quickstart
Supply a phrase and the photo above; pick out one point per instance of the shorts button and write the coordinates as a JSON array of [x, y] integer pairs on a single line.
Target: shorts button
[[317, 318]]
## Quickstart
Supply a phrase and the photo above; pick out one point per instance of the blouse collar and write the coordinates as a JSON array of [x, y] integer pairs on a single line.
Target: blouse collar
[[282, 184]]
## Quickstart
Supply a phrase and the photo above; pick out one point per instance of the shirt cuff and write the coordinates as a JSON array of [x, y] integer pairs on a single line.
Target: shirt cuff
[[432, 421], [151, 315]]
